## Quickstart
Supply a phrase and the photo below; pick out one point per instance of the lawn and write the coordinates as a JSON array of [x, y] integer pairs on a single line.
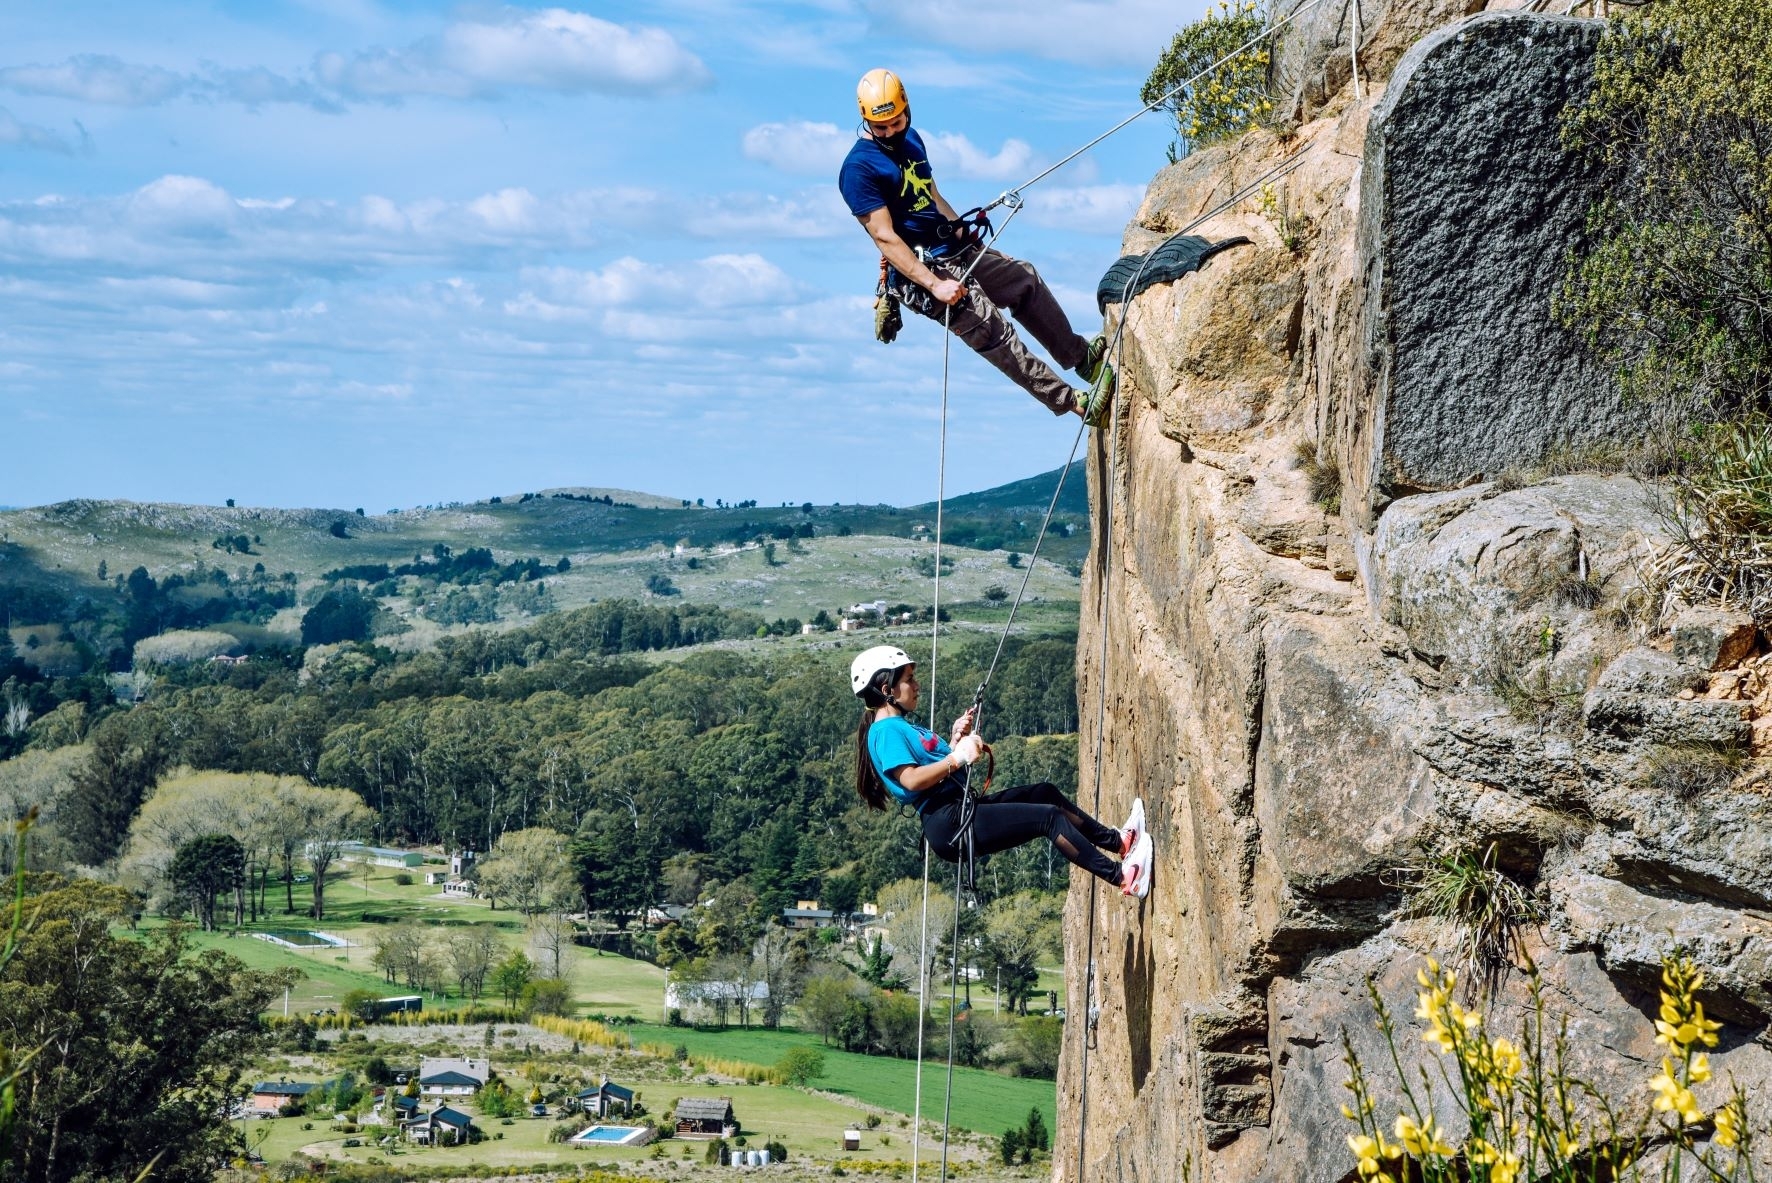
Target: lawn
[[808, 1124], [985, 1102], [602, 983]]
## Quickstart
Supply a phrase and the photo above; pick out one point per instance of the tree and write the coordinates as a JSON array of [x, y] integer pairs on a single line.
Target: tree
[[343, 614], [1676, 287], [1227, 101], [616, 865], [400, 953], [546, 996], [333, 817], [471, 953], [825, 998], [526, 869], [995, 593], [1018, 930], [550, 935], [779, 961], [800, 1066], [205, 867], [107, 1094], [128, 753], [511, 975], [362, 1005]]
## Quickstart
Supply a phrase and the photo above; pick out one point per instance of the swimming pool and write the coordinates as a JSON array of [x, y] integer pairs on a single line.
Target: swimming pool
[[614, 1135]]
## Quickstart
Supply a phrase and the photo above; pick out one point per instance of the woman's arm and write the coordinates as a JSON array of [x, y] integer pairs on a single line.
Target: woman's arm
[[918, 778]]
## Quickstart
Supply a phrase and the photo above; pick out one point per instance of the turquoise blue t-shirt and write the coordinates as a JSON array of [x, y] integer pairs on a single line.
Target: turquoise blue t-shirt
[[895, 742]]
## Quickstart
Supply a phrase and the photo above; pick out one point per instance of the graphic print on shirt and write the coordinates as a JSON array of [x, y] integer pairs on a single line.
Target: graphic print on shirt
[[918, 185]]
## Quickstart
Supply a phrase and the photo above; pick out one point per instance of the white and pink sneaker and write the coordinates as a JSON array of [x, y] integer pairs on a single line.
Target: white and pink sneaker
[[1135, 869], [1133, 830]]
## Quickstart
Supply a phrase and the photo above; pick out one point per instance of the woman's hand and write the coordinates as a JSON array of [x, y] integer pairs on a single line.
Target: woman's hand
[[963, 726], [969, 749]]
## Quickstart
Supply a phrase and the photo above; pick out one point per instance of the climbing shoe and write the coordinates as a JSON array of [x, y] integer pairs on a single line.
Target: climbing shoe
[[1095, 370], [1135, 870], [1096, 403], [1133, 830], [1094, 359]]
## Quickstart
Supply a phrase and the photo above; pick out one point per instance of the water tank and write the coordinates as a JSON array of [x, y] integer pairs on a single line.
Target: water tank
[[738, 1158]]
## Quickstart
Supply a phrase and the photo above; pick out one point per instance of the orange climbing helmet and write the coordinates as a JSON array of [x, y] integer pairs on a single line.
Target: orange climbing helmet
[[881, 97]]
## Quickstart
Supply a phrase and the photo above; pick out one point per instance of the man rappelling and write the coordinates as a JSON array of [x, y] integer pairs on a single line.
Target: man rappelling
[[927, 250]]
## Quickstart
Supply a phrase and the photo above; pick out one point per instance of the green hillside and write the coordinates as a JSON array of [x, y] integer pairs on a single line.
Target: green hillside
[[63, 567]]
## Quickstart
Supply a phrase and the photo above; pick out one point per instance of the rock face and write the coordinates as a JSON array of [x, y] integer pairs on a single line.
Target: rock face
[[1468, 206], [1321, 656]]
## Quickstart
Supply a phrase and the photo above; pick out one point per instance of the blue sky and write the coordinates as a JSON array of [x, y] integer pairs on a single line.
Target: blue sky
[[361, 253]]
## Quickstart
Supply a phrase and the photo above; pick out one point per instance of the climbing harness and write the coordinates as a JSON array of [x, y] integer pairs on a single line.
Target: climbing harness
[[976, 226]]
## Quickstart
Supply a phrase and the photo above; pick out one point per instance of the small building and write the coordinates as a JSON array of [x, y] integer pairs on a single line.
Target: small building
[[382, 856], [706, 1117], [442, 1126], [460, 863], [852, 1139], [605, 1097], [850, 625], [436, 878], [460, 887], [401, 1108], [442, 1076], [804, 917], [807, 630], [270, 1096], [409, 1003]]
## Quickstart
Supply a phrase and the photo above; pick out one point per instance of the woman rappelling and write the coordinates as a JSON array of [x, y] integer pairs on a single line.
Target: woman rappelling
[[897, 760]]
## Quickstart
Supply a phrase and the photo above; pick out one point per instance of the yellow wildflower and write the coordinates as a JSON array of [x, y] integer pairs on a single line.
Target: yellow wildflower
[[1566, 1141], [1729, 1122], [1367, 1151], [1421, 1140], [1673, 1097], [1699, 1070]]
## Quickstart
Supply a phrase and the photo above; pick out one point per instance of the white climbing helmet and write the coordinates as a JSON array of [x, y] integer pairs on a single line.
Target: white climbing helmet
[[871, 661]]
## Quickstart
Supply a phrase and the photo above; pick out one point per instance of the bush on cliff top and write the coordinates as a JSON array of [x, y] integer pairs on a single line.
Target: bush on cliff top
[[1226, 102]]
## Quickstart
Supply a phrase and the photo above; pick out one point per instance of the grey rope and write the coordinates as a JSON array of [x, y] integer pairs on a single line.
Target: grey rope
[[947, 1112]]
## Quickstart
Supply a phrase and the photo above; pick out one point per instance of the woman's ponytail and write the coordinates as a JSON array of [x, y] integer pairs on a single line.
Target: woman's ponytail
[[867, 781]]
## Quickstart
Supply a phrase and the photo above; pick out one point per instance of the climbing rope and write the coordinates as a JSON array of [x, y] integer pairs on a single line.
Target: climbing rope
[[1012, 199]]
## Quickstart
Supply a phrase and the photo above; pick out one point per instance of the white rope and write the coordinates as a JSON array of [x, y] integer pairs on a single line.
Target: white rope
[[1353, 50], [922, 1005]]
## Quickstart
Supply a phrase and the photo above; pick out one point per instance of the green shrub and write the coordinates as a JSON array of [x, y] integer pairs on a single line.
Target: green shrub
[[403, 878], [1675, 285], [1227, 101]]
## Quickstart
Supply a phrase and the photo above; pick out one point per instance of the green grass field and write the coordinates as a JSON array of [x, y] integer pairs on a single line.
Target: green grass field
[[985, 1102], [602, 983]]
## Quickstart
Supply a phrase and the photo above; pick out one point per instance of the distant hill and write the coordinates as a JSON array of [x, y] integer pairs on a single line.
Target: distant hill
[[544, 551]]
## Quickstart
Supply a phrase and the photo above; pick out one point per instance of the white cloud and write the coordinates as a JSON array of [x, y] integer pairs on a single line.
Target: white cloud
[[952, 152], [1085, 209], [112, 82], [1089, 32], [14, 134], [799, 146], [553, 49], [716, 282], [97, 78]]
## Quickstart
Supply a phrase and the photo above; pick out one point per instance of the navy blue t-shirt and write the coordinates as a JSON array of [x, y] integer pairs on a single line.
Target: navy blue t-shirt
[[873, 178]]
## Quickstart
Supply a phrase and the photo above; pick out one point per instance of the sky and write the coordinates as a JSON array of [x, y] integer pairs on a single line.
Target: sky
[[385, 253]]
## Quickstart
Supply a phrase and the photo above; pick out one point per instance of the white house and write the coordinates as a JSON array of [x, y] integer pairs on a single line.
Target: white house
[[443, 1076]]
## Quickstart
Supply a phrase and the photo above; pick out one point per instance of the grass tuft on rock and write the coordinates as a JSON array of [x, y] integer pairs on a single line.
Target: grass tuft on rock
[[1483, 905]]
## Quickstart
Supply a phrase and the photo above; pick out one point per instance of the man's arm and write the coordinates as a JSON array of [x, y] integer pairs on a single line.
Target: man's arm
[[878, 224], [941, 203]]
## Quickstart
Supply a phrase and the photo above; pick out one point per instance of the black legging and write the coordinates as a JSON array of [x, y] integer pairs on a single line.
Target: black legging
[[1021, 814]]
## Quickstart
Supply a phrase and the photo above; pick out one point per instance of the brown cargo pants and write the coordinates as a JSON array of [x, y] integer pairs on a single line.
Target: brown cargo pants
[[1001, 284]]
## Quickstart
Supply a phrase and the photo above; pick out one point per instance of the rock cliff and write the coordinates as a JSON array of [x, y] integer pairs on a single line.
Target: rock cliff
[[1339, 619]]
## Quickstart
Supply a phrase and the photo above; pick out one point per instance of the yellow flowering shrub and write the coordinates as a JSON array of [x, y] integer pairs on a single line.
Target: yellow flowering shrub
[[1213, 98], [1521, 1105]]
